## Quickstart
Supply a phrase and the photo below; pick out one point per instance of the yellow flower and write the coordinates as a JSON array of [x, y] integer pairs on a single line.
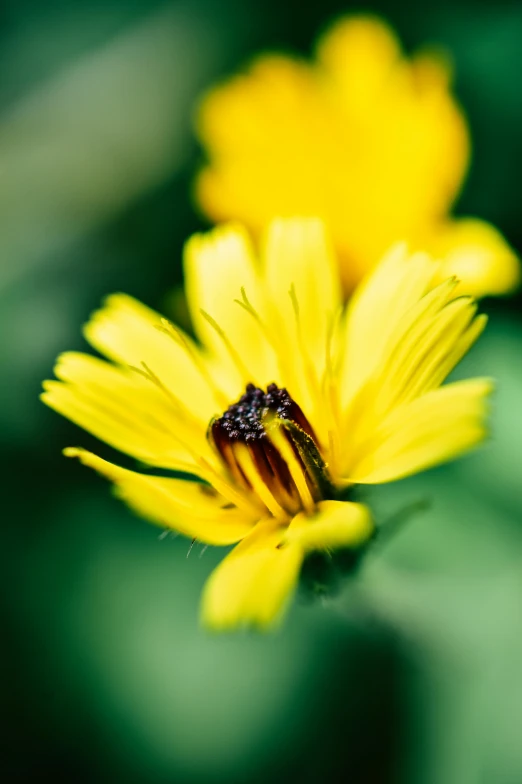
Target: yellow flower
[[364, 138], [286, 404]]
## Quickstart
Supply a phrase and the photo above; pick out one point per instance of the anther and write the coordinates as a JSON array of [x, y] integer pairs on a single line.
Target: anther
[[250, 423]]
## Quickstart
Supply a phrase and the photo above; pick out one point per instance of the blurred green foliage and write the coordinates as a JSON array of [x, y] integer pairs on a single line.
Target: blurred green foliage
[[412, 673]]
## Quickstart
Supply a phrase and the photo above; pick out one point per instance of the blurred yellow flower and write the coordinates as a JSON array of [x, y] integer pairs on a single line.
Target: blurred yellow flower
[[364, 138], [287, 403]]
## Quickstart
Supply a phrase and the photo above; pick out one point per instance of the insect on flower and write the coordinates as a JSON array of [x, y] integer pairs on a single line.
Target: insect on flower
[[286, 403]]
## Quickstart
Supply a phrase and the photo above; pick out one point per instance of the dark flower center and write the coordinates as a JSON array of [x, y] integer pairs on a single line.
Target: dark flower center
[[252, 429], [243, 421]]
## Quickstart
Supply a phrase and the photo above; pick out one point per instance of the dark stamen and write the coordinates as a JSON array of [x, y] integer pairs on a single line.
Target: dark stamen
[[245, 422]]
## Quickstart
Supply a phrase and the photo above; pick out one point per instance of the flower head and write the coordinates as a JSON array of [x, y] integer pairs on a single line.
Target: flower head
[[287, 402], [368, 140]]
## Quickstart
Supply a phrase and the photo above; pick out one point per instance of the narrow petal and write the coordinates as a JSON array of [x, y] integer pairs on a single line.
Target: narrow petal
[[303, 288], [435, 428], [129, 333], [190, 508], [375, 310], [335, 525], [299, 257], [427, 343], [252, 585], [478, 255], [123, 409], [220, 273]]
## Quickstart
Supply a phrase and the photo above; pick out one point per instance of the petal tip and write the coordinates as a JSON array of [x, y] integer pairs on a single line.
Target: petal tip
[[74, 451]]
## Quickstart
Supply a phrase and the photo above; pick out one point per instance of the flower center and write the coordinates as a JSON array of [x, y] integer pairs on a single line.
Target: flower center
[[270, 448], [243, 421]]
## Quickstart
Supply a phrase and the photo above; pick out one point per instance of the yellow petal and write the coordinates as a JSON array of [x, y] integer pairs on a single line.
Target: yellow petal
[[273, 83], [428, 342], [408, 174], [299, 257], [120, 407], [376, 309], [252, 585], [219, 267], [335, 525], [360, 52], [128, 332], [478, 255], [432, 429], [303, 289], [191, 508]]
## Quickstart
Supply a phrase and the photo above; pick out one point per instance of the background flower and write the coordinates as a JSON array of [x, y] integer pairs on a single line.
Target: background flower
[[372, 142]]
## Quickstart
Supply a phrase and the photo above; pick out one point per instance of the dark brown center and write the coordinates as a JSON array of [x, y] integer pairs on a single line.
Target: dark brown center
[[243, 421], [250, 423]]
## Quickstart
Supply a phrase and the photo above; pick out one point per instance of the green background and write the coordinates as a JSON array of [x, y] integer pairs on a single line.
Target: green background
[[412, 672]]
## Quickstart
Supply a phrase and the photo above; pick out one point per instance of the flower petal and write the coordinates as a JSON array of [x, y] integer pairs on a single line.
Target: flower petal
[[376, 309], [335, 525], [424, 344], [256, 128], [303, 289], [121, 408], [219, 267], [434, 428], [191, 508], [414, 128], [128, 332], [478, 255], [251, 586], [360, 52], [429, 341], [299, 256]]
